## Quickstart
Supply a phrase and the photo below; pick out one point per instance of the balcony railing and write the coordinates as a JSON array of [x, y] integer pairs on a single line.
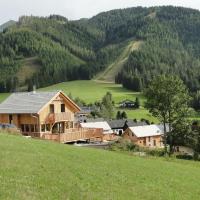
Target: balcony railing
[[59, 117], [75, 134]]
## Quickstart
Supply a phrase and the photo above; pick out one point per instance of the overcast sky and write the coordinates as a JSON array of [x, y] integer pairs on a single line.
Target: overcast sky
[[75, 9]]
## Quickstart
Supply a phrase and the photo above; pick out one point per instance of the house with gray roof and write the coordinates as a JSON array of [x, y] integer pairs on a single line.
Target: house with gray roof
[[36, 113]]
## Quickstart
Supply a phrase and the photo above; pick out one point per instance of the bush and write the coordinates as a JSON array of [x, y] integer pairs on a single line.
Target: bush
[[123, 145], [154, 152], [185, 157]]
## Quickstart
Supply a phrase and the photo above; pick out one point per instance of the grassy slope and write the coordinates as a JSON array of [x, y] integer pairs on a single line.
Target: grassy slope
[[29, 67], [33, 169], [114, 68], [3, 96], [91, 91]]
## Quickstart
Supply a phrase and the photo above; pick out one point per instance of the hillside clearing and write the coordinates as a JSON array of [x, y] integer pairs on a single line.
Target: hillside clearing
[[114, 68], [29, 67], [34, 169]]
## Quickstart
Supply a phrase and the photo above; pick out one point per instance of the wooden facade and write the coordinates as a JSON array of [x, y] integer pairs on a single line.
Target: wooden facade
[[55, 119]]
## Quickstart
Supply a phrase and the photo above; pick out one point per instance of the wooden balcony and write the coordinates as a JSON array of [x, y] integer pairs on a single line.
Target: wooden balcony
[[59, 117], [76, 134]]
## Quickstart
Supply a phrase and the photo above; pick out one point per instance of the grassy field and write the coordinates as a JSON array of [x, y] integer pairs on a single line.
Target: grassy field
[[91, 91], [3, 96], [33, 170]]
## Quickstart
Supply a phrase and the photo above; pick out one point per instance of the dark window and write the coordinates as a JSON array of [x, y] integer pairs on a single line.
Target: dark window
[[36, 128], [22, 128], [47, 127], [43, 127], [32, 128], [149, 139], [27, 128], [154, 142], [51, 108], [62, 107], [10, 119]]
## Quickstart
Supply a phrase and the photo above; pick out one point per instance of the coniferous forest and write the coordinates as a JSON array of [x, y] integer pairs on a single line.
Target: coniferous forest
[[71, 50]]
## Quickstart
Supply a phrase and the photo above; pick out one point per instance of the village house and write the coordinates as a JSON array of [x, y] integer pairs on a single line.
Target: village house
[[45, 115], [146, 136]]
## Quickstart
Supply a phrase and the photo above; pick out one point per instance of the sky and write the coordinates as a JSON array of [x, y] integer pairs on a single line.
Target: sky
[[76, 9]]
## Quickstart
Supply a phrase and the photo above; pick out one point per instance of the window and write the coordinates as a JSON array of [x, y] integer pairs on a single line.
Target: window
[[10, 119], [154, 142], [149, 139], [32, 128], [27, 128], [51, 108], [47, 127], [22, 128], [62, 107], [36, 128], [43, 127]]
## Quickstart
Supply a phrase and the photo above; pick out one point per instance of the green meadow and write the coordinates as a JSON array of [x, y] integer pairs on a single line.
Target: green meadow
[[91, 91], [35, 169]]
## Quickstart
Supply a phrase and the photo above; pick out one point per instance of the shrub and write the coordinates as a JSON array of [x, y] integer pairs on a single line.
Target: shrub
[[123, 145]]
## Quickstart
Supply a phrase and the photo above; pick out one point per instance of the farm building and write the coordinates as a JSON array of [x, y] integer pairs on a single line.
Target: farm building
[[44, 114], [146, 136], [104, 125], [108, 133]]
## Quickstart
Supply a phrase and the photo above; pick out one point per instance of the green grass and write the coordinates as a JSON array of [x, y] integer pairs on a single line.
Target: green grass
[[91, 91], [33, 170], [3, 96]]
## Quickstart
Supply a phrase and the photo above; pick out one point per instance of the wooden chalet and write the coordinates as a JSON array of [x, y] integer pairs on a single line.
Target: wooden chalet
[[48, 115]]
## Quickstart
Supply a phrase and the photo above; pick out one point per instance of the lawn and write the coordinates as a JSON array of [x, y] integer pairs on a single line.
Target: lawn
[[3, 96], [91, 91], [33, 169]]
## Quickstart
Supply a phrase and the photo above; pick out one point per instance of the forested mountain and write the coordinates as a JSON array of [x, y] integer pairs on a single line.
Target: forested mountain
[[69, 50]]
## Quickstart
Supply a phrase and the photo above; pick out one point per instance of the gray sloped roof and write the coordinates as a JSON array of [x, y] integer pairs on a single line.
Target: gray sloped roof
[[26, 102]]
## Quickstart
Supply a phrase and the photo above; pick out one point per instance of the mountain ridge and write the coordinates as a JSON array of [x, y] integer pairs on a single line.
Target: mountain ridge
[[81, 49]]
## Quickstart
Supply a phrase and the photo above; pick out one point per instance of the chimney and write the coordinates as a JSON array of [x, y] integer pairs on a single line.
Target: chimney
[[34, 89]]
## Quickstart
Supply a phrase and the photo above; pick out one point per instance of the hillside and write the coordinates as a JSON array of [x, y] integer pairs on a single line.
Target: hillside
[[34, 169], [98, 48]]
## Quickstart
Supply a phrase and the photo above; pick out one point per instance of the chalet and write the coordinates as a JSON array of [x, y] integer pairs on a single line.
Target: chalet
[[146, 136], [119, 126], [42, 114]]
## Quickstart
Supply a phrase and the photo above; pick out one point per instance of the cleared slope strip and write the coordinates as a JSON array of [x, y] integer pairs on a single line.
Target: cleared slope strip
[[108, 75]]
